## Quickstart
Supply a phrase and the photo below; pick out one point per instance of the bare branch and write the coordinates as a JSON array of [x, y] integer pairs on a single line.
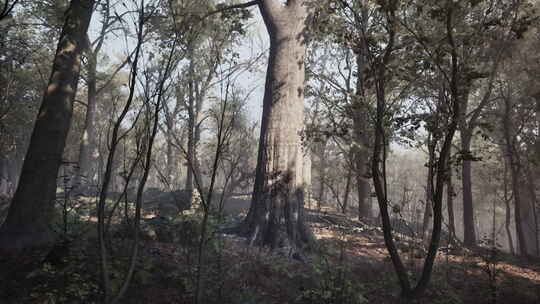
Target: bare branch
[[231, 7], [7, 9]]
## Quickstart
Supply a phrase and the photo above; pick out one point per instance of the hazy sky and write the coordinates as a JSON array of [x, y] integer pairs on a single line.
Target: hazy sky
[[256, 42]]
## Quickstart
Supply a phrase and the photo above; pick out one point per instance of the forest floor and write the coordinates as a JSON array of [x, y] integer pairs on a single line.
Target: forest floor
[[350, 264]]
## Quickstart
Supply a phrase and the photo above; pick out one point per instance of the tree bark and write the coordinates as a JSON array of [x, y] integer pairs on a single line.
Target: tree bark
[[530, 216], [508, 217], [195, 104], [428, 213], [170, 170], [514, 164], [519, 210], [537, 143], [276, 215], [360, 130], [190, 157], [30, 216], [322, 174], [346, 194], [450, 207], [469, 231], [362, 183], [428, 210], [466, 128], [88, 153], [4, 178]]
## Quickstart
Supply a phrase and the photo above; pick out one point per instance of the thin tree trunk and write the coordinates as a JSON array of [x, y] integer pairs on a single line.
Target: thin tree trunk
[[170, 171], [107, 174], [14, 170], [322, 174], [199, 98], [537, 142], [440, 168], [450, 207], [515, 172], [518, 205], [428, 211], [88, 149], [531, 216], [191, 127], [89, 152], [30, 216], [535, 180], [4, 178], [508, 210], [346, 194]]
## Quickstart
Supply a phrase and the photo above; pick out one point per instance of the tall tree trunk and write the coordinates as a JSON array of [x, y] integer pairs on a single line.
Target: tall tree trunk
[[537, 142], [360, 130], [519, 210], [362, 182], [428, 211], [197, 138], [450, 207], [190, 159], [4, 178], [530, 216], [347, 192], [88, 149], [469, 231], [276, 215], [30, 216], [170, 170], [515, 172], [195, 103], [322, 174], [535, 180], [16, 159], [508, 210]]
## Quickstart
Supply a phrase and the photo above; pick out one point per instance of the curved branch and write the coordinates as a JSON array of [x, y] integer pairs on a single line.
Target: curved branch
[[231, 7], [7, 8]]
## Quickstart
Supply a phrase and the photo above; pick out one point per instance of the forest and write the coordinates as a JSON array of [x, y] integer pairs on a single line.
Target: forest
[[270, 151]]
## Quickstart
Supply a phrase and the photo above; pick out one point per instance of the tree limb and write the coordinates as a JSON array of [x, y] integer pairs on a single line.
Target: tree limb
[[231, 7], [7, 8]]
